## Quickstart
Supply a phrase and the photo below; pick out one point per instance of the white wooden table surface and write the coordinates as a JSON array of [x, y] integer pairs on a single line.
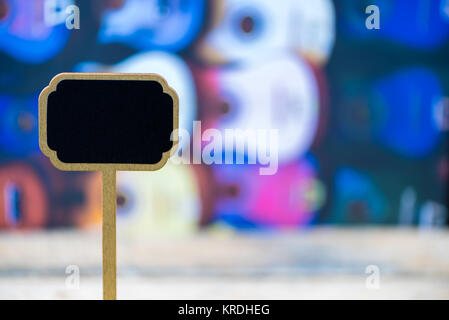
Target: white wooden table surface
[[315, 263]]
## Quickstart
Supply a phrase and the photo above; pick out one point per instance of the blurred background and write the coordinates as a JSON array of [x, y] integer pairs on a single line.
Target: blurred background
[[362, 114]]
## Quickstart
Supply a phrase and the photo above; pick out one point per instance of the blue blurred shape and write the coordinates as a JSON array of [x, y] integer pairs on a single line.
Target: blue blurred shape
[[357, 199], [13, 205], [406, 101], [19, 127], [164, 24], [421, 24], [31, 32]]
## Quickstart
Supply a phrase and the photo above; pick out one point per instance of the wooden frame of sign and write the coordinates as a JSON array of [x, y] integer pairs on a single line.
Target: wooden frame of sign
[[108, 169]]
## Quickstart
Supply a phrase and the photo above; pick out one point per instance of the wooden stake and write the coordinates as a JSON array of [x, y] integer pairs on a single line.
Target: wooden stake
[[109, 235]]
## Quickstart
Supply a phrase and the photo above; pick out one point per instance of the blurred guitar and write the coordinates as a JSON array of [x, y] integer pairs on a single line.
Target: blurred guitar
[[276, 91], [242, 29], [401, 111], [288, 199], [147, 203], [158, 203]]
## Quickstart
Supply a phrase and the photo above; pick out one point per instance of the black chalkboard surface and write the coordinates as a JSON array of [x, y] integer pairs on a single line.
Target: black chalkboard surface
[[92, 120]]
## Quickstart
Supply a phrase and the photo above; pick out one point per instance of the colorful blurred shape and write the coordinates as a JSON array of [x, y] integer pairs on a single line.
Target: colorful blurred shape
[[405, 102], [400, 111], [156, 24], [23, 198], [422, 24], [287, 199], [276, 92], [357, 199], [242, 29], [158, 203], [87, 213], [33, 31], [19, 129]]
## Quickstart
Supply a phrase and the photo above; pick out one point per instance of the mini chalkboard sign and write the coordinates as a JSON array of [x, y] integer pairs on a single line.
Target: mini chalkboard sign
[[108, 122]]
